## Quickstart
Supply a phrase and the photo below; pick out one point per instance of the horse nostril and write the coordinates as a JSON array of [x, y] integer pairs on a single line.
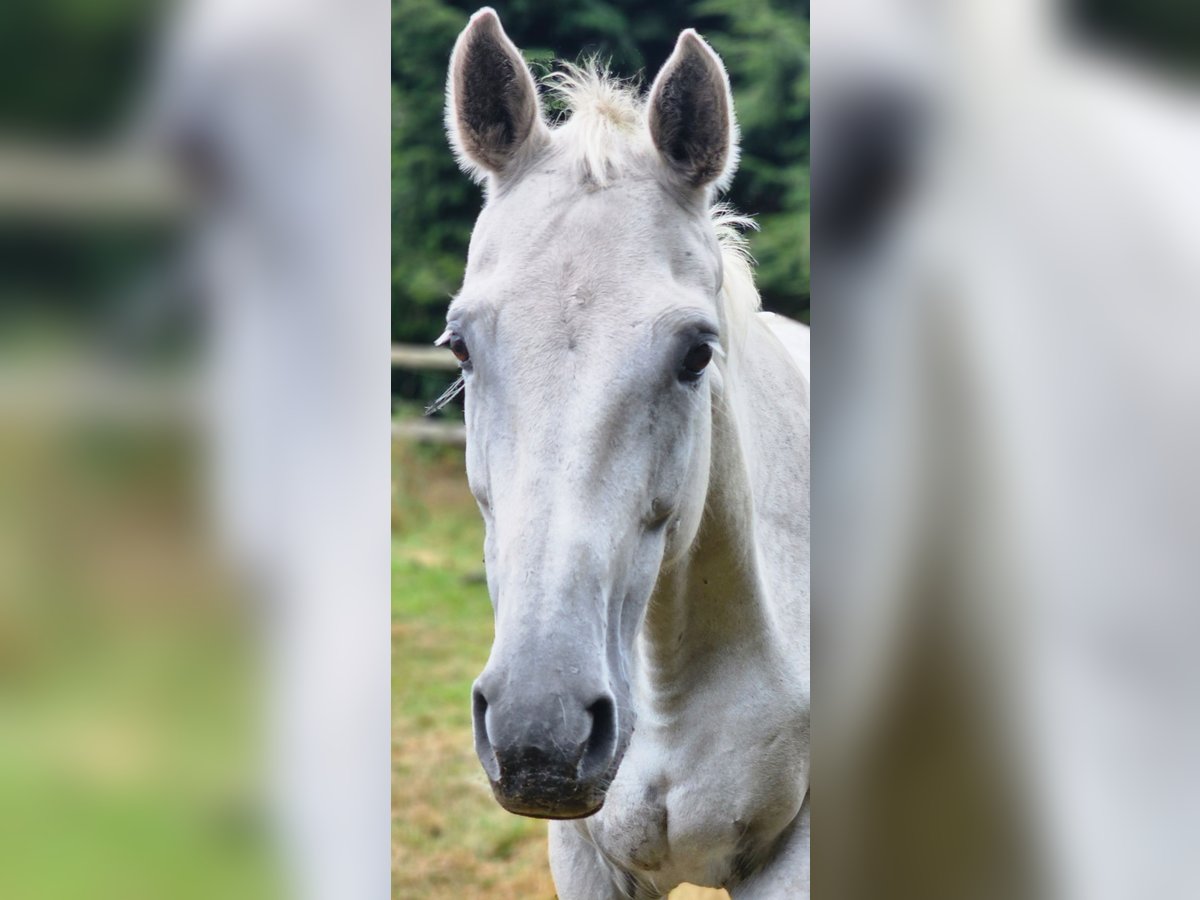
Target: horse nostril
[[602, 740], [483, 742]]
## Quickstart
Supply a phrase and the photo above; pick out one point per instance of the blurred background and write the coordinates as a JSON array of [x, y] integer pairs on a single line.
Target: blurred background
[[452, 839]]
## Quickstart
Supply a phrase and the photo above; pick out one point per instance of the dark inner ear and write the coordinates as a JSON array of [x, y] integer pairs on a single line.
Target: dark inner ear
[[690, 120], [496, 105]]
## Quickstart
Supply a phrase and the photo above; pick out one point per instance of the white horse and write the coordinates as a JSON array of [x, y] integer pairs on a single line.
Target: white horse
[[638, 446]]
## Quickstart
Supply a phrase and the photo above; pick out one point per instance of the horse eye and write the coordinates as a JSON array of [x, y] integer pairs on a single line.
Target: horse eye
[[696, 360], [459, 348]]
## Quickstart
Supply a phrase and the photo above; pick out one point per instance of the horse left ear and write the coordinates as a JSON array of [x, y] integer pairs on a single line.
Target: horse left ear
[[691, 114]]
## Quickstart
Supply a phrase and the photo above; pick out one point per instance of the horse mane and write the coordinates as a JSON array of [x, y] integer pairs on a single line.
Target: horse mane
[[740, 299], [602, 122]]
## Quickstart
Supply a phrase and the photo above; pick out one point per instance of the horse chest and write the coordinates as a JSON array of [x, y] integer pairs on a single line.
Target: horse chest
[[705, 810]]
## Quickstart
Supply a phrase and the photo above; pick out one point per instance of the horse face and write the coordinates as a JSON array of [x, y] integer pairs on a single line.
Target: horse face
[[589, 331]]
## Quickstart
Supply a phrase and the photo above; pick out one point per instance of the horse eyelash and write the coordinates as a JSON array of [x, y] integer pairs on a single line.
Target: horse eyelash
[[446, 396], [455, 389]]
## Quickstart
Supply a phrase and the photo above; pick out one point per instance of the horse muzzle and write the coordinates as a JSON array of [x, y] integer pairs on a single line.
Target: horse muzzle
[[550, 757]]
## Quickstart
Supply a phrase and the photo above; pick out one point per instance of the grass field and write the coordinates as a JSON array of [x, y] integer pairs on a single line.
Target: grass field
[[450, 840]]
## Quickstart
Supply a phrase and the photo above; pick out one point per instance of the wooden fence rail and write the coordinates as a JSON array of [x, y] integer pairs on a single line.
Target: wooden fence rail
[[410, 356], [430, 431]]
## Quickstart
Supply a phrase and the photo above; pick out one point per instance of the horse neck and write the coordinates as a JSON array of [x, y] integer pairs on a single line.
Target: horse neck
[[712, 602]]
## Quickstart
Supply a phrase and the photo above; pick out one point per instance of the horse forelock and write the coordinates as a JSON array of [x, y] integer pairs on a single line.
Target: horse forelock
[[603, 120]]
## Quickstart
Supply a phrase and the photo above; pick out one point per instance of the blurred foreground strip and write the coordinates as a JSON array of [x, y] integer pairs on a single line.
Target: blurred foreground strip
[[1006, 498], [74, 390], [194, 450]]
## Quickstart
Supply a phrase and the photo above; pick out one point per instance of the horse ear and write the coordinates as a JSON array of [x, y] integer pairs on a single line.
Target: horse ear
[[691, 114], [492, 108]]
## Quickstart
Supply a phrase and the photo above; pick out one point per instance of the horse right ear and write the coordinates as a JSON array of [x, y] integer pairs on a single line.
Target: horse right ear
[[691, 114], [492, 111]]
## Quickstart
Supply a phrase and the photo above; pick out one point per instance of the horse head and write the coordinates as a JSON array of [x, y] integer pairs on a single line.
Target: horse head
[[592, 339]]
